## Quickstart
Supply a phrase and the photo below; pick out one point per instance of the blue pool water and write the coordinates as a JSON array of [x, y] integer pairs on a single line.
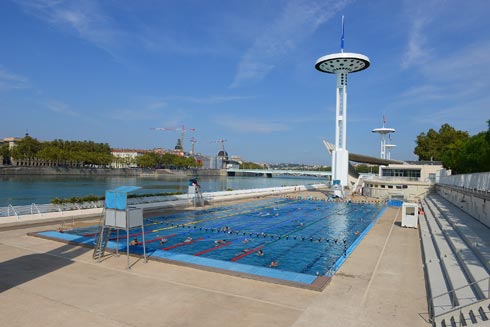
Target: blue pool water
[[305, 237]]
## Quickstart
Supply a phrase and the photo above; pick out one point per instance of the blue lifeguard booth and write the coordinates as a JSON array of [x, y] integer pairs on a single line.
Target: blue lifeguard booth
[[119, 216]]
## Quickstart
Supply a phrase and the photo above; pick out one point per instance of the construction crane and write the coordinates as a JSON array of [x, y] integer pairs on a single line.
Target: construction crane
[[183, 129], [193, 142], [222, 156], [222, 144]]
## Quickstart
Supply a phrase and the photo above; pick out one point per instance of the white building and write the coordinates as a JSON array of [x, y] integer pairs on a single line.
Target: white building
[[125, 158], [11, 141], [411, 181]]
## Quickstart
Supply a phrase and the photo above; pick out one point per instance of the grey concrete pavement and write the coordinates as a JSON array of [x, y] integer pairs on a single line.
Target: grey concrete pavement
[[46, 283]]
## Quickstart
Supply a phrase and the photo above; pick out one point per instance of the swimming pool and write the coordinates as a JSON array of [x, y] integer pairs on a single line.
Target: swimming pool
[[305, 238]]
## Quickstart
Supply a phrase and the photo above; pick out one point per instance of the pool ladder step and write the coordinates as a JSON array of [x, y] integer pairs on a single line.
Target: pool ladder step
[[101, 244]]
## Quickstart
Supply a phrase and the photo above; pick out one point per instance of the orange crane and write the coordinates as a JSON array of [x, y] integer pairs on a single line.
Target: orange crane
[[183, 130]]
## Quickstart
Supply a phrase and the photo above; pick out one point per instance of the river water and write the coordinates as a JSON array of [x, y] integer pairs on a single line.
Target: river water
[[24, 190]]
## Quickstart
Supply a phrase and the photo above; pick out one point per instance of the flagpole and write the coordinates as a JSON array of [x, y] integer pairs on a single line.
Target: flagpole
[[342, 38]]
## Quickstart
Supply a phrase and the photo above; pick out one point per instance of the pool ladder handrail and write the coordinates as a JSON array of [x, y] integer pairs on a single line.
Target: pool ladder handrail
[[11, 208], [33, 205]]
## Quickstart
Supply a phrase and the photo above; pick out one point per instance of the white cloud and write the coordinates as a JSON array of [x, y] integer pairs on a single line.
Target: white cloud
[[296, 21], [157, 105], [417, 50], [156, 112], [460, 76], [213, 99], [470, 116], [62, 108], [85, 18], [98, 23], [10, 81], [468, 64], [243, 125]]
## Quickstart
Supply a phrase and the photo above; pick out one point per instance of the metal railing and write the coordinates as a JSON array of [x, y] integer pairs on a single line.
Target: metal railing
[[34, 206], [452, 296], [41, 209], [10, 208]]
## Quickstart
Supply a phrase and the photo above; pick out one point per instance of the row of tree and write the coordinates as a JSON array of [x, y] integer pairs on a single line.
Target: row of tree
[[86, 153], [457, 150], [251, 165], [166, 160], [82, 152]]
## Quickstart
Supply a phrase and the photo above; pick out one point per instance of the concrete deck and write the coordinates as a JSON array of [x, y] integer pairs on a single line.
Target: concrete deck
[[46, 283]]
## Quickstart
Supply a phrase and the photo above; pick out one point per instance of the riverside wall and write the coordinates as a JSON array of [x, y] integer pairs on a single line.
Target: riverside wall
[[102, 172], [172, 202]]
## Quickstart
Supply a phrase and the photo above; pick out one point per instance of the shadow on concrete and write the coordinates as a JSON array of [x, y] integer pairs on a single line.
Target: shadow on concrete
[[425, 317], [23, 269]]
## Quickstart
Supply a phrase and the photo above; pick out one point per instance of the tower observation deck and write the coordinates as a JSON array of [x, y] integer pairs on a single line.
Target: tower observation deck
[[341, 64], [385, 147]]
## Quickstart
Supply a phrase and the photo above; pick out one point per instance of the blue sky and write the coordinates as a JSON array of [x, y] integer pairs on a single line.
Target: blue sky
[[243, 71]]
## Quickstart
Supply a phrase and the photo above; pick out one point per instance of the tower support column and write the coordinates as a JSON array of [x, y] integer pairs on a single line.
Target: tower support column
[[340, 156], [383, 146], [341, 64]]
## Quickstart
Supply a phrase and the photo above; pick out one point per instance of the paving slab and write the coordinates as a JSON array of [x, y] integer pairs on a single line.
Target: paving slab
[[53, 284], [380, 284]]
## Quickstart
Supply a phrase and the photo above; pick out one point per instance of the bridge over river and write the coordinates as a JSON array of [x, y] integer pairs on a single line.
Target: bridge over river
[[271, 172]]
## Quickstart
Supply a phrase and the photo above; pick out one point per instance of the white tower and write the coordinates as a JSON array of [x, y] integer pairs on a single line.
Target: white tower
[[341, 64], [383, 131], [388, 148]]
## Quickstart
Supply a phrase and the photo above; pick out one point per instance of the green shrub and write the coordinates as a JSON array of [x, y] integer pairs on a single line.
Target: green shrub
[[94, 198]]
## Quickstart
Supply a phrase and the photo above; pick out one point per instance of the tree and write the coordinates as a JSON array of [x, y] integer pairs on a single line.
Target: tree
[[363, 168], [435, 145], [28, 147], [4, 154], [148, 160], [251, 165], [456, 149], [475, 155]]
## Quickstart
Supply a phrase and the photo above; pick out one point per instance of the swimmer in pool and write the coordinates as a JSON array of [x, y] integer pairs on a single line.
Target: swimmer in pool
[[273, 264]]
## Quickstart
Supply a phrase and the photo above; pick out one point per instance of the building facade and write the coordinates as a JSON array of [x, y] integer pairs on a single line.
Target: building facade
[[410, 182], [126, 158]]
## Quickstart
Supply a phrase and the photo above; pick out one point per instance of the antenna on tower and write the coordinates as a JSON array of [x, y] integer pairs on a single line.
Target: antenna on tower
[[342, 37]]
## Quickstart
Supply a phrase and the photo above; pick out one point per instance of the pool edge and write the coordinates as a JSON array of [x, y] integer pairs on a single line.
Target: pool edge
[[318, 284]]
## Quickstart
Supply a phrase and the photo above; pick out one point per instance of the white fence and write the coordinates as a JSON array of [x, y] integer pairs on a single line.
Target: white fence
[[39, 209], [478, 182]]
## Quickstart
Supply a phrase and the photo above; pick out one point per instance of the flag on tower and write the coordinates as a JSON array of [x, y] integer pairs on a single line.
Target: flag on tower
[[342, 38], [384, 120]]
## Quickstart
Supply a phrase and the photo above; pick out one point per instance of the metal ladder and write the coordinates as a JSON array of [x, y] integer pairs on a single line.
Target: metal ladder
[[101, 244]]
